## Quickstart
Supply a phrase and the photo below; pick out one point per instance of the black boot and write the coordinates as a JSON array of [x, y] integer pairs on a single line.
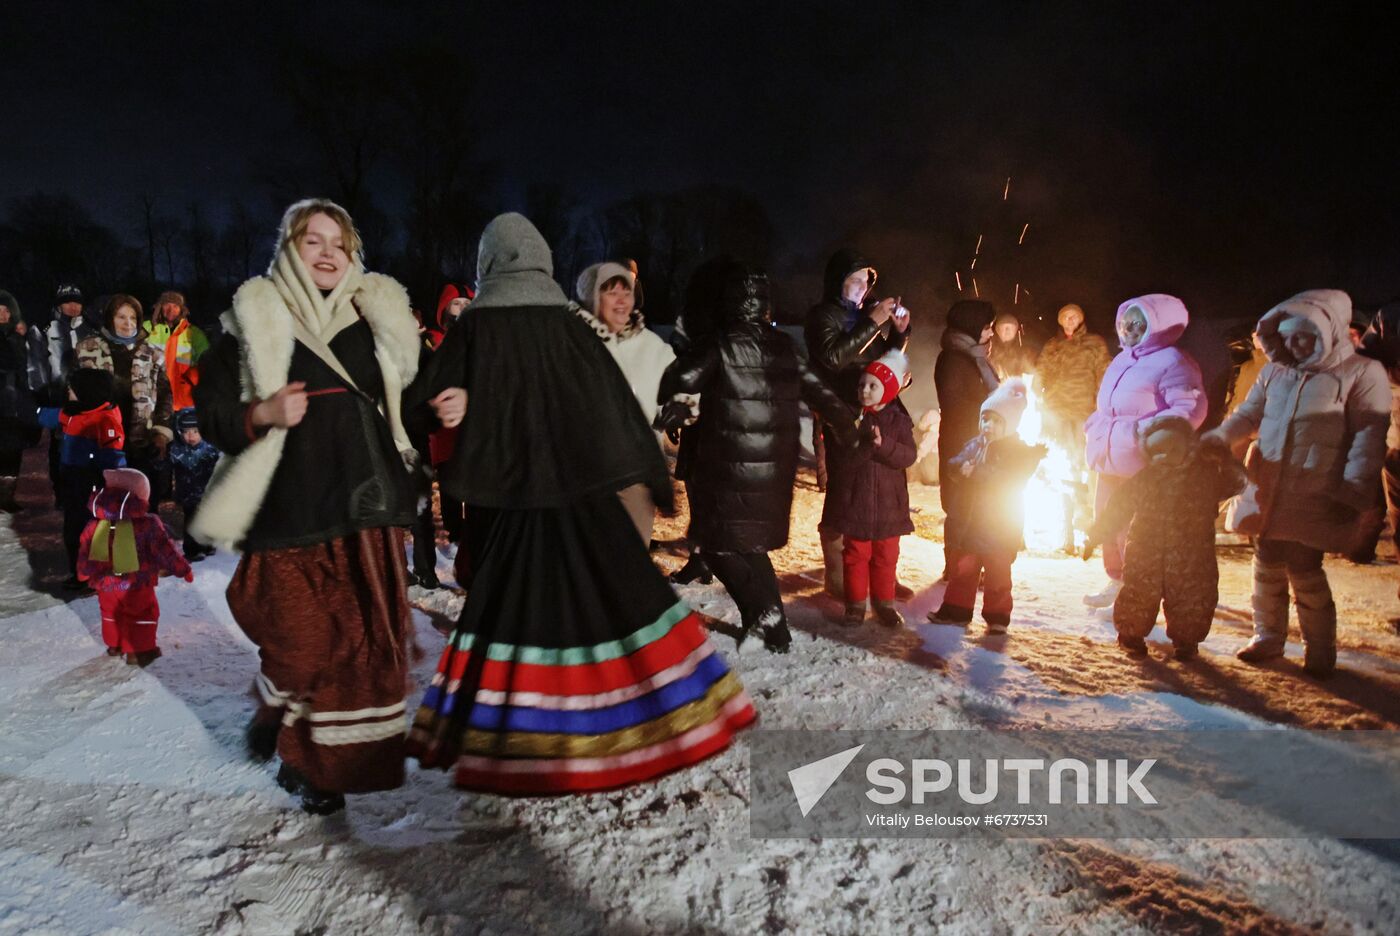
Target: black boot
[[428, 579], [143, 659], [696, 569], [773, 628], [314, 801], [888, 615], [261, 738], [8, 504]]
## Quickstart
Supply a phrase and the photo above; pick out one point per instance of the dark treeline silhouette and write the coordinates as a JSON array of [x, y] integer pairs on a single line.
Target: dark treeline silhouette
[[394, 138], [395, 144]]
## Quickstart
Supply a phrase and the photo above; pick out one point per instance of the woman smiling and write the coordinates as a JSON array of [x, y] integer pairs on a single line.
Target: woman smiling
[[302, 396]]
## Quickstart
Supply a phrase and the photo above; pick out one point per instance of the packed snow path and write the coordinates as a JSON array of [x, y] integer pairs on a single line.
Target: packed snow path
[[128, 806]]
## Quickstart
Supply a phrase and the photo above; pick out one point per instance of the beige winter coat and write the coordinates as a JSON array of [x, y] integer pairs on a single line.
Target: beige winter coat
[[1321, 425]]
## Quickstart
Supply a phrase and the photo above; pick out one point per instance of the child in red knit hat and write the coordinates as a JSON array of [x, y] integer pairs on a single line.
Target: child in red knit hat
[[867, 499]]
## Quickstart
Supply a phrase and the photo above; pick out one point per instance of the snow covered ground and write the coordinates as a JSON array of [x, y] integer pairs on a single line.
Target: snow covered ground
[[127, 805]]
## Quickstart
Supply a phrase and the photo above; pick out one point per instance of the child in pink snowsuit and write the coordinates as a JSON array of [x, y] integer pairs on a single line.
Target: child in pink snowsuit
[[122, 554], [1149, 378]]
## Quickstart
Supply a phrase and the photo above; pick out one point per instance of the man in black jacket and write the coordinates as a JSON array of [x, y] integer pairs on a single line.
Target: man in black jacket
[[844, 333]]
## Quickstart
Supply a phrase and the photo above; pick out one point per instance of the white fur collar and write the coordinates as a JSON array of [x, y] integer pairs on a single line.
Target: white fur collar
[[634, 327], [260, 320]]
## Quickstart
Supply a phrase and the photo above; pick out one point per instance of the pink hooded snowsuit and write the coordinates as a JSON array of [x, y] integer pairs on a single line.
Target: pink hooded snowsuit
[[1143, 382]]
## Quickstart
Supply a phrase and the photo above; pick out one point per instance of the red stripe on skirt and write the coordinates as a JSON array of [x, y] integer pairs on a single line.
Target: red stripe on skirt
[[585, 678]]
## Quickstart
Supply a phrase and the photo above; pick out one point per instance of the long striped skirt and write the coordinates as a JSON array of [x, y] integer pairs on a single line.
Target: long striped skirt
[[332, 626], [574, 666]]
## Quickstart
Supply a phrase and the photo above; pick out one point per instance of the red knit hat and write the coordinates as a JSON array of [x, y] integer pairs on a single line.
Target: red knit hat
[[891, 370]]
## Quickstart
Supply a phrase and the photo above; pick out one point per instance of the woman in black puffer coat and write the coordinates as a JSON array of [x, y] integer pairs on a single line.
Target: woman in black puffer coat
[[742, 457]]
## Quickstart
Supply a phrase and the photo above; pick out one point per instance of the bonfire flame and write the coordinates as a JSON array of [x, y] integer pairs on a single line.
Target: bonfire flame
[[1053, 481]]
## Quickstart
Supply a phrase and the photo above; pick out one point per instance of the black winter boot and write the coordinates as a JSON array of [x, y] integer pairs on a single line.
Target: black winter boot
[[694, 570], [888, 615], [314, 801], [8, 504], [261, 738], [773, 628]]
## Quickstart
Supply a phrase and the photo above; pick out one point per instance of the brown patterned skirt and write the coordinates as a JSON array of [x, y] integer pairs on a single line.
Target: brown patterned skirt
[[334, 634]]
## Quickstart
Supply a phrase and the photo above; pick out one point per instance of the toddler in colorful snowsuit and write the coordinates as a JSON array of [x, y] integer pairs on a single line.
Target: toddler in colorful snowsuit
[[192, 458], [868, 501], [123, 552], [983, 539], [1169, 510]]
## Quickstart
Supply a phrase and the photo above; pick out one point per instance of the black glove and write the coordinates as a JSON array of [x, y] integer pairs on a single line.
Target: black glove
[[671, 416]]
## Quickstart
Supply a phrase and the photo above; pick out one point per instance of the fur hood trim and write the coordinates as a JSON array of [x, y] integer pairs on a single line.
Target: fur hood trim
[[636, 324]]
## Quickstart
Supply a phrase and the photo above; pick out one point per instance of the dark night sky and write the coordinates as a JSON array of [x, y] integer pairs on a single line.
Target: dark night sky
[[1229, 153]]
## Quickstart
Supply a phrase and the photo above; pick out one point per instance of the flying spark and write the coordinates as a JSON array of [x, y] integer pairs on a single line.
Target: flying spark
[[1022, 239], [1006, 191], [958, 278]]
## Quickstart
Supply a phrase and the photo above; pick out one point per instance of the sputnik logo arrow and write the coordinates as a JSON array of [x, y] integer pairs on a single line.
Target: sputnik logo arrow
[[811, 781]]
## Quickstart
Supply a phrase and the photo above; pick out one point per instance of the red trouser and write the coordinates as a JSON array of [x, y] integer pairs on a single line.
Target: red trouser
[[965, 570], [129, 619], [869, 566]]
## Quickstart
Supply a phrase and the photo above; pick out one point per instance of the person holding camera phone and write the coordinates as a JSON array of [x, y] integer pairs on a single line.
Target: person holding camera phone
[[844, 332]]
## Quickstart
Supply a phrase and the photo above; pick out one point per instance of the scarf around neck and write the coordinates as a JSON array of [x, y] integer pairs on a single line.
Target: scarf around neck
[[114, 338], [966, 344], [317, 318], [323, 316]]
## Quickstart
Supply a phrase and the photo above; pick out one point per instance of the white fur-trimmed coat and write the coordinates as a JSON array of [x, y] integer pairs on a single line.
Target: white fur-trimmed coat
[[643, 357], [262, 324]]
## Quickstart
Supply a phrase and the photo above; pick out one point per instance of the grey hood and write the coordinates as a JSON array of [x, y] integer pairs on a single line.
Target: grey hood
[[514, 266]]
